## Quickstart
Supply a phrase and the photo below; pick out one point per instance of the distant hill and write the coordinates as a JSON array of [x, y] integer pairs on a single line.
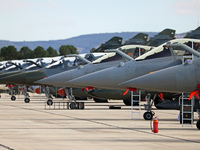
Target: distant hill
[[84, 43]]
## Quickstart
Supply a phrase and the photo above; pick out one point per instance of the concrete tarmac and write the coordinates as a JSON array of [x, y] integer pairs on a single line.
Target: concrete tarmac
[[31, 127]]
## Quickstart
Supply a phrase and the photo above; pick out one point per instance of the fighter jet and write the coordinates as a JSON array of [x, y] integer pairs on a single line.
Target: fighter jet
[[162, 37], [177, 79], [143, 66], [156, 59], [109, 60], [194, 34], [29, 75], [16, 67], [150, 61]]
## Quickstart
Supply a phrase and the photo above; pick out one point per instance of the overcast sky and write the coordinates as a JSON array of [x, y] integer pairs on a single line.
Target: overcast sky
[[33, 20]]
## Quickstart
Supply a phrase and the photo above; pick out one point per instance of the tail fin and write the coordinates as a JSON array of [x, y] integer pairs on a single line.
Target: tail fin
[[162, 37], [114, 42], [169, 32], [195, 34], [140, 38]]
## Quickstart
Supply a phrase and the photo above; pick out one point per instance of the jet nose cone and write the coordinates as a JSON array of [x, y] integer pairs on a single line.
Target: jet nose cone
[[107, 78], [95, 79], [55, 80], [158, 81], [19, 78], [44, 81]]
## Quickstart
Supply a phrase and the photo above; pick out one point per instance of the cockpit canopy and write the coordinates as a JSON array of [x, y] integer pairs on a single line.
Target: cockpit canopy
[[174, 49], [135, 50]]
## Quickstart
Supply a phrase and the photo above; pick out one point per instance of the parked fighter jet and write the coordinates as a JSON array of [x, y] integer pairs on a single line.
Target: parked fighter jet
[[156, 59], [194, 34], [183, 78], [162, 37], [177, 79], [16, 67], [151, 61], [28, 76], [143, 66], [107, 61]]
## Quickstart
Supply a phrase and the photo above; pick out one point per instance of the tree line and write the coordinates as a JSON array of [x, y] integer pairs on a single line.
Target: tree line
[[11, 53]]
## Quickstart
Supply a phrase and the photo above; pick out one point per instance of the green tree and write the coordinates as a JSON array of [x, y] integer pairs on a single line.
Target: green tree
[[26, 53], [67, 49], [9, 53], [40, 52], [2, 58], [52, 52]]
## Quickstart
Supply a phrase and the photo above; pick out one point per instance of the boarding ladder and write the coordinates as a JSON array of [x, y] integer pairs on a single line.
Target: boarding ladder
[[136, 109], [186, 111]]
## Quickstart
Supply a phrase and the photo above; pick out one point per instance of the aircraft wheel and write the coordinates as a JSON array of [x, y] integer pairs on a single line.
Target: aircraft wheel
[[198, 124], [148, 115], [49, 102], [26, 100], [13, 98], [72, 105], [81, 105]]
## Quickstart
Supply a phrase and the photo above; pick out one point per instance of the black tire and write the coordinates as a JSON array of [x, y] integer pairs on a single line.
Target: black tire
[[128, 103], [26, 100], [13, 98], [97, 100], [81, 105], [72, 105], [49, 102], [198, 124], [148, 115]]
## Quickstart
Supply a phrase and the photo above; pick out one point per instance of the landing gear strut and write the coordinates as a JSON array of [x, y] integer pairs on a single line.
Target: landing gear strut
[[26, 100], [149, 114], [48, 95]]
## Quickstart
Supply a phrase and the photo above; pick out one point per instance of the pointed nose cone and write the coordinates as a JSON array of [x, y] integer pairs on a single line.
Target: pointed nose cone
[[180, 78], [161, 81], [95, 79], [56, 80], [107, 78], [19, 78]]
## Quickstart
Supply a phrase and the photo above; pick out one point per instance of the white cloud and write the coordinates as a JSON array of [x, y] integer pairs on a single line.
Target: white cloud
[[187, 7]]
